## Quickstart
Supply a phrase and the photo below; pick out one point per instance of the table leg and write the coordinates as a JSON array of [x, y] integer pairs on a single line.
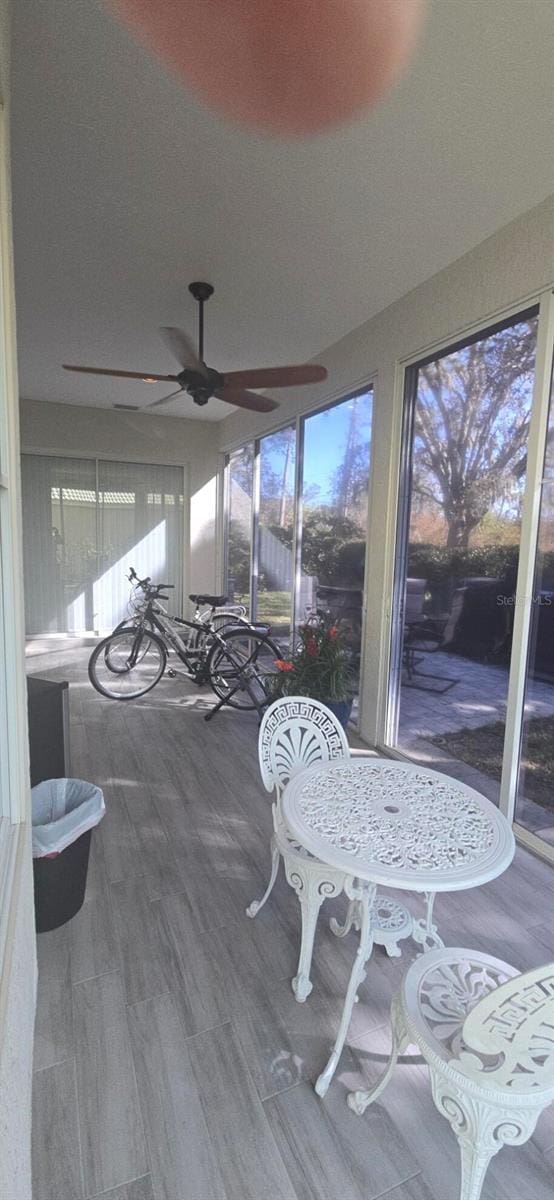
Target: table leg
[[365, 894]]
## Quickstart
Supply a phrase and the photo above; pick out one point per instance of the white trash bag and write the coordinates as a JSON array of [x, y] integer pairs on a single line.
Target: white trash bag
[[62, 810]]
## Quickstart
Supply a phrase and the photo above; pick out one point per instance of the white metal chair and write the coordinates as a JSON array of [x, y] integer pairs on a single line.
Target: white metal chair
[[487, 1035], [297, 732]]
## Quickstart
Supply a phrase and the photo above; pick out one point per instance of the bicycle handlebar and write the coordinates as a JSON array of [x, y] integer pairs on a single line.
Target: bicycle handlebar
[[146, 584]]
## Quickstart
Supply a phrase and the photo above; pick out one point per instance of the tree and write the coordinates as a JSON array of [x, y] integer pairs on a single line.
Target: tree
[[471, 425], [350, 480]]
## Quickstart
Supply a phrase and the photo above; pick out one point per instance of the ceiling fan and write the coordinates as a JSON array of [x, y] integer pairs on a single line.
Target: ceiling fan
[[201, 382]]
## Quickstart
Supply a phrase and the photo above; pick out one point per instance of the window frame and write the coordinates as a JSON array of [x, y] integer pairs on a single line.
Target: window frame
[[14, 755]]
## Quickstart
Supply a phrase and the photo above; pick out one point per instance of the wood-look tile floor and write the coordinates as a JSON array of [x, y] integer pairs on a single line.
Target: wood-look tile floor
[[172, 1061]]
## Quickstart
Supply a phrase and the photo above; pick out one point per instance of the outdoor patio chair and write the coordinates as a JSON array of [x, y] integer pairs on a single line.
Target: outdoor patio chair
[[427, 635], [297, 732], [487, 1035]]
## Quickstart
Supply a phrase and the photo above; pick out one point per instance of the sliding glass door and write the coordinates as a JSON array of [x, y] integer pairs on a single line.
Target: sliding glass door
[[466, 431], [472, 667], [84, 524]]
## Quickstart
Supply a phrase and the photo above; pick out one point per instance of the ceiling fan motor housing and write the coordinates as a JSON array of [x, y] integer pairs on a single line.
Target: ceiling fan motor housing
[[200, 387]]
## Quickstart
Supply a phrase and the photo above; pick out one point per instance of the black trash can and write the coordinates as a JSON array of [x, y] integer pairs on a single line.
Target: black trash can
[[64, 814]]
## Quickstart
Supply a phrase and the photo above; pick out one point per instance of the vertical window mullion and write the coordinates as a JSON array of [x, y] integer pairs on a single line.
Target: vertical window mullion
[[296, 615], [402, 540], [254, 546]]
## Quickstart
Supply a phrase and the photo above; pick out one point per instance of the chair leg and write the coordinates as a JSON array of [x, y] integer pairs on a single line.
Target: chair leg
[[359, 1101], [256, 905], [481, 1130], [313, 884]]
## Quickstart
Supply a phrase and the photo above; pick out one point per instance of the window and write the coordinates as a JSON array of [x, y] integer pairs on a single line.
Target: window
[[240, 490], [467, 428], [274, 570], [297, 518], [334, 494]]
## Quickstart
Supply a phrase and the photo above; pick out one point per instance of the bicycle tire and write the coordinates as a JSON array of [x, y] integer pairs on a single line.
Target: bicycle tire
[[239, 673], [220, 622], [147, 674]]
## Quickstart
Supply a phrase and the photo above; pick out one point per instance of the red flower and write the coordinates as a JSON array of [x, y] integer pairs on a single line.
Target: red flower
[[311, 647], [333, 631], [283, 665]]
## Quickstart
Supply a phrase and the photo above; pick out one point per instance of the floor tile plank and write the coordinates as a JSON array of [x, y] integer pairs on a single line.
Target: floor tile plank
[[112, 1137], [179, 1142], [56, 1155], [53, 1024], [191, 966], [135, 922], [138, 1189], [241, 1137], [327, 1154]]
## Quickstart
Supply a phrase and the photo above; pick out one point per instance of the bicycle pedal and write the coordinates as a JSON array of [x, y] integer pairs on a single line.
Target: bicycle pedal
[[172, 674]]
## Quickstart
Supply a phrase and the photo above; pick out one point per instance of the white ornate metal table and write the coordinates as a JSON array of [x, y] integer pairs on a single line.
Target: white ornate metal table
[[398, 825]]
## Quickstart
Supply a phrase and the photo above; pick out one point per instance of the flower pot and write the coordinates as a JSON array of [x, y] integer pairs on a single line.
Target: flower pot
[[342, 710]]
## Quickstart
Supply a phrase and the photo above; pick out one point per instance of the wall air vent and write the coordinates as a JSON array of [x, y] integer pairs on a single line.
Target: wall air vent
[[129, 407]]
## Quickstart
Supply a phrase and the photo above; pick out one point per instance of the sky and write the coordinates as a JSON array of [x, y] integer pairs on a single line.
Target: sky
[[324, 445]]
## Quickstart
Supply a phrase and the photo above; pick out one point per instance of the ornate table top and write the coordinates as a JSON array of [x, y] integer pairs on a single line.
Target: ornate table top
[[398, 824]]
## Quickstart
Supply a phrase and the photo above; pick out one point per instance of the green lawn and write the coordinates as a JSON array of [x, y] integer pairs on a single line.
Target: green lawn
[[483, 748]]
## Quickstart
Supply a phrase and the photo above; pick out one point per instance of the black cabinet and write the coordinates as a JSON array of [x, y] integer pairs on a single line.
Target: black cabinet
[[47, 703]]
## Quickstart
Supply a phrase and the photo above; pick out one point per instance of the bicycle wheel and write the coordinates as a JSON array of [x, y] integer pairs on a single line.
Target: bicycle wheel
[[220, 623], [128, 664], [241, 670]]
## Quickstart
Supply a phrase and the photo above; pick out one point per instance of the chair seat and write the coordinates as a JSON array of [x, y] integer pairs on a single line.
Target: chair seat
[[439, 991]]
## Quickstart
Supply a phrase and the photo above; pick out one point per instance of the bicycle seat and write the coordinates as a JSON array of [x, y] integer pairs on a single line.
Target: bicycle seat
[[202, 598]]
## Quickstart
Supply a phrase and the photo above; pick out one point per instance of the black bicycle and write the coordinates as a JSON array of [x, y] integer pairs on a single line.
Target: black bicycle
[[237, 660]]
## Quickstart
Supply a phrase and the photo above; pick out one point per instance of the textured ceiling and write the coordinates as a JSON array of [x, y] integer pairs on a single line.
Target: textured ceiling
[[125, 190]]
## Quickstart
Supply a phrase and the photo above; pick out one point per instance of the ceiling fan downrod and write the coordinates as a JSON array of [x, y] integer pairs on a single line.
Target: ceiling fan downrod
[[201, 293]]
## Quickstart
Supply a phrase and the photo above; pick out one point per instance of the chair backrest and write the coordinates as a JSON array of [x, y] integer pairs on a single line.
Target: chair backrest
[[508, 1037], [449, 631], [295, 733], [414, 599]]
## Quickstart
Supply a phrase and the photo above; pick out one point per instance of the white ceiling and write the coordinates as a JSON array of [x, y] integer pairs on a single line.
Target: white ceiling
[[125, 190]]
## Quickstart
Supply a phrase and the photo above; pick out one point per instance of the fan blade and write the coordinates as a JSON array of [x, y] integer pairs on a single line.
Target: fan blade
[[182, 348], [244, 399], [163, 399], [276, 376], [146, 376]]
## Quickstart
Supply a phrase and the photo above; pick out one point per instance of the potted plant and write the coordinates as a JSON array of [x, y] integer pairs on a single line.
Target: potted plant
[[318, 668]]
